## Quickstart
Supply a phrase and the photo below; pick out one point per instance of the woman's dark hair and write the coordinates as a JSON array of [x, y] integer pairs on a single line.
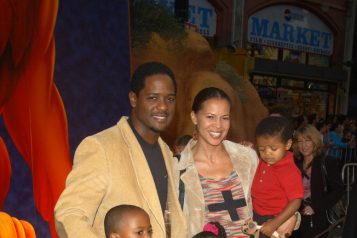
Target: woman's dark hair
[[206, 94], [273, 126], [147, 69]]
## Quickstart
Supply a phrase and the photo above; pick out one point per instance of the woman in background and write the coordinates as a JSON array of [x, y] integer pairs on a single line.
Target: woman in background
[[309, 157]]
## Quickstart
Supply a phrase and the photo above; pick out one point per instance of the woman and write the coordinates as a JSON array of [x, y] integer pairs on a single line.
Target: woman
[[217, 174], [309, 157]]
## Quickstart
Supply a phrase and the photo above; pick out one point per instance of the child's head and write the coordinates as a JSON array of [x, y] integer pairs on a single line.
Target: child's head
[[181, 142], [212, 230], [127, 221], [273, 138]]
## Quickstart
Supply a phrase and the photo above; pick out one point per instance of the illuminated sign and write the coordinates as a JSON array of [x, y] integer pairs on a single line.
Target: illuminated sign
[[201, 15], [290, 27]]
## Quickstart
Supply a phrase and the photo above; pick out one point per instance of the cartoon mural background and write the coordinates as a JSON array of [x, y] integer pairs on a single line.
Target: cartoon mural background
[[88, 59], [91, 68]]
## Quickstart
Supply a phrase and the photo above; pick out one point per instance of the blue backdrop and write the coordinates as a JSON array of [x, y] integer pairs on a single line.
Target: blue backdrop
[[92, 74]]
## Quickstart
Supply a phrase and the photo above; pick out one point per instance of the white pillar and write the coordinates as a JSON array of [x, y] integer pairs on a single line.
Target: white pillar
[[237, 23]]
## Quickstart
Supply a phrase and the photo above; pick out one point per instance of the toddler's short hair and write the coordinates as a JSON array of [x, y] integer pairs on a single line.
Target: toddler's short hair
[[275, 126]]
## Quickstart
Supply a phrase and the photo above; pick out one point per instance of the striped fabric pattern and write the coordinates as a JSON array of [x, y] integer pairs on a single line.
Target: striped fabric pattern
[[212, 190]]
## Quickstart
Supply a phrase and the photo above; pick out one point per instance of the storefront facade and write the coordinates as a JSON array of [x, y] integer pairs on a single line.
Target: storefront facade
[[298, 50]]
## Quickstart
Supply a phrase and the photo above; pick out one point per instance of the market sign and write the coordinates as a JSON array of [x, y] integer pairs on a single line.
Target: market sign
[[290, 27], [201, 15]]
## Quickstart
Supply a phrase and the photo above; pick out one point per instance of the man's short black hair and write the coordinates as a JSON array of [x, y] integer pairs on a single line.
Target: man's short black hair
[[115, 215], [275, 126], [147, 69]]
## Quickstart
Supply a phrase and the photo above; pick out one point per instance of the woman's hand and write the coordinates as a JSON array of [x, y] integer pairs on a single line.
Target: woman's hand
[[308, 211]]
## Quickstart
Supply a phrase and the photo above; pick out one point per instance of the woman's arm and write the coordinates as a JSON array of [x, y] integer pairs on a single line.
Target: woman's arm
[[335, 187], [334, 181]]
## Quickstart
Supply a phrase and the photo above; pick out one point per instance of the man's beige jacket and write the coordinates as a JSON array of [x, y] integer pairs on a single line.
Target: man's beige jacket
[[109, 169]]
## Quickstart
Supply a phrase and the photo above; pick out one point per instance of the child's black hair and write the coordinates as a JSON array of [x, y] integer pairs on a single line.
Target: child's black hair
[[145, 70], [275, 126], [116, 214], [205, 234]]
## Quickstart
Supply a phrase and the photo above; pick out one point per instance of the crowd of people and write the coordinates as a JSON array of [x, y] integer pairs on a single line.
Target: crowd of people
[[338, 134], [126, 182]]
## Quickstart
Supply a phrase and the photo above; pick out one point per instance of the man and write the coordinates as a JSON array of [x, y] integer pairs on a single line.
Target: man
[[126, 164]]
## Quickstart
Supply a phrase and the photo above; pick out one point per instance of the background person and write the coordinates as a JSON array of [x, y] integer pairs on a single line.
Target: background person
[[180, 144], [309, 156], [126, 164], [334, 140], [218, 173]]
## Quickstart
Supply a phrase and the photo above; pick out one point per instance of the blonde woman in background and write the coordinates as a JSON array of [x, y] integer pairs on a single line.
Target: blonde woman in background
[[309, 157]]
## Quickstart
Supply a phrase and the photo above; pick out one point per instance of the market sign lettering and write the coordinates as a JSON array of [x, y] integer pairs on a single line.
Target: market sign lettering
[[201, 15], [290, 27]]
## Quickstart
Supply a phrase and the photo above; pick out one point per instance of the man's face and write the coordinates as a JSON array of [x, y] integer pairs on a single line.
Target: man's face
[[154, 107]]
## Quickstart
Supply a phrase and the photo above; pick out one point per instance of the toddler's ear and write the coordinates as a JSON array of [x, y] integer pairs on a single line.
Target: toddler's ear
[[288, 144]]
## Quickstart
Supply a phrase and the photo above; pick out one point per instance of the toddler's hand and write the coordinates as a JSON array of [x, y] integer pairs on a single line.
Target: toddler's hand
[[268, 228], [286, 229]]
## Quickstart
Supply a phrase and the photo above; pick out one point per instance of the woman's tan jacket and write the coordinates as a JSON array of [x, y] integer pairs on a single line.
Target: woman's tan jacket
[[109, 169], [245, 161]]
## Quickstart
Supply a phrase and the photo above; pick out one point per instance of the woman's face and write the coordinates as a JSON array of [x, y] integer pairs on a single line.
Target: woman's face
[[305, 145], [212, 120]]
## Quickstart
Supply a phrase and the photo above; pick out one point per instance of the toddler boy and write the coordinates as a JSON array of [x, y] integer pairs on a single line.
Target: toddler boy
[[277, 188]]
